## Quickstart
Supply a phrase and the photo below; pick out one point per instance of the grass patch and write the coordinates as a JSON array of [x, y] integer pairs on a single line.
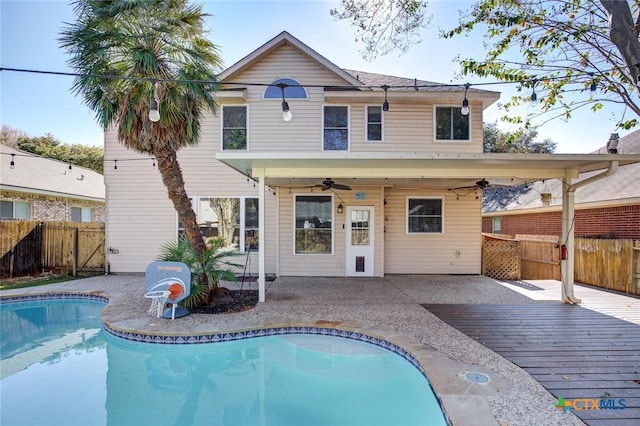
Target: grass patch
[[24, 282]]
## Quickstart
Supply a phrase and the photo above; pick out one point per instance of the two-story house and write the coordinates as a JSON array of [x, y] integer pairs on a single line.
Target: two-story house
[[315, 170]]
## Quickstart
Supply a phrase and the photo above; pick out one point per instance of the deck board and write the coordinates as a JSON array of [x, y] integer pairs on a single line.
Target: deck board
[[572, 351]]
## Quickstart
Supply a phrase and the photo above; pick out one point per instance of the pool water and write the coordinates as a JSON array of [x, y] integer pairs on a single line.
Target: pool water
[[59, 367]]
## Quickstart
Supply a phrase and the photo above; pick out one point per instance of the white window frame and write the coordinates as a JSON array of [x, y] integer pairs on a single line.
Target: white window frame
[[13, 209], [366, 124], [435, 128], [195, 203], [83, 211], [348, 128], [494, 229], [333, 223], [420, 197], [222, 149]]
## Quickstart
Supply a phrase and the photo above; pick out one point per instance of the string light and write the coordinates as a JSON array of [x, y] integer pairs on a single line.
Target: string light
[[534, 96], [153, 159], [385, 104], [154, 106], [154, 111], [465, 102], [115, 164], [286, 112], [12, 164], [70, 166]]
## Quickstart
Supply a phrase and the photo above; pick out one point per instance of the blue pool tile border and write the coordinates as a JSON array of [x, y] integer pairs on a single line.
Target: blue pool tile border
[[53, 296], [224, 336], [227, 336]]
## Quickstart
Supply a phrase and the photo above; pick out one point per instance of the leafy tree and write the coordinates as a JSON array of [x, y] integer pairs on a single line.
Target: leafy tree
[[555, 47], [384, 25], [90, 157], [120, 48], [496, 140], [9, 136], [563, 47]]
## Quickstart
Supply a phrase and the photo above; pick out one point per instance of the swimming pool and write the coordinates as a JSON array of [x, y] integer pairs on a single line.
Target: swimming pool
[[62, 367]]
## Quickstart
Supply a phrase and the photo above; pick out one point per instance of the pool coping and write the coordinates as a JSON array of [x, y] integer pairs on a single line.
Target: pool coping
[[463, 402]]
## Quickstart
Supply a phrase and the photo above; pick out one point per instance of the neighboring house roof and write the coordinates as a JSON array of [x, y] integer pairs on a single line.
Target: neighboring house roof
[[40, 175], [623, 187]]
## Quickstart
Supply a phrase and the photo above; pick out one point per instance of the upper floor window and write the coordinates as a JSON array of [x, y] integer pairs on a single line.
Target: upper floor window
[[15, 210], [424, 215], [451, 124], [336, 128], [81, 214], [374, 123], [234, 127], [293, 90]]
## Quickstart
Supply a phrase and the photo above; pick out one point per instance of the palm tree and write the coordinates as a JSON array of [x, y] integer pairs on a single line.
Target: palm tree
[[127, 53]]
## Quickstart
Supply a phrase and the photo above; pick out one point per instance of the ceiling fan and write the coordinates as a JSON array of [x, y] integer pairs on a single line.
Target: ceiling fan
[[481, 184], [329, 183]]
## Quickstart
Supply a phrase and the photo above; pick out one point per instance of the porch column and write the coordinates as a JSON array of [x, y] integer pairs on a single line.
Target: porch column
[[567, 265], [260, 174]]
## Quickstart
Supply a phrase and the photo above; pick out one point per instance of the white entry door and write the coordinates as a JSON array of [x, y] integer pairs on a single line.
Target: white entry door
[[359, 239]]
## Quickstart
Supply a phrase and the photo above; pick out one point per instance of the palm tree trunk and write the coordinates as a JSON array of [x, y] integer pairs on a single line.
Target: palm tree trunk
[[171, 173]]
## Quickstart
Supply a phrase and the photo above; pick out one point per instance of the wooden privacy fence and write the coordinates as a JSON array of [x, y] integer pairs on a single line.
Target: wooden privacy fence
[[610, 264], [29, 247]]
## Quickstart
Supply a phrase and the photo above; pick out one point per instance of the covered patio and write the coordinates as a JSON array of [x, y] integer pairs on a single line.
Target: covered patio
[[438, 172]]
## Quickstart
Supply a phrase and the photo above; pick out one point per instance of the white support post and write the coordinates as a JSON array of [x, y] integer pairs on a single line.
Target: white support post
[[567, 265], [261, 234]]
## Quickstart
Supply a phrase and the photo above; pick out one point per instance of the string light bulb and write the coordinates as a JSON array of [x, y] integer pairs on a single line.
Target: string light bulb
[[286, 112], [154, 106], [465, 102], [385, 104], [534, 96], [12, 164], [593, 87]]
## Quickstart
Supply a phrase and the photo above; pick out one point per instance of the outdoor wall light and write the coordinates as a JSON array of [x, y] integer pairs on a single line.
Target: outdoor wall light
[[286, 112], [340, 208], [465, 102], [385, 104], [154, 106]]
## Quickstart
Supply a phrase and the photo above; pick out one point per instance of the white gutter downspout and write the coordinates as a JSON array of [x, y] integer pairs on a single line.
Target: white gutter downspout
[[568, 203]]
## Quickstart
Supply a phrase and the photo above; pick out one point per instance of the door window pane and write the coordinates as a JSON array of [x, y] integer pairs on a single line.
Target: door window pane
[[360, 227]]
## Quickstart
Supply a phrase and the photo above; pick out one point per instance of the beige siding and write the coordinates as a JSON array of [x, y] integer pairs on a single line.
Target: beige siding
[[408, 126], [457, 250], [326, 264], [140, 216]]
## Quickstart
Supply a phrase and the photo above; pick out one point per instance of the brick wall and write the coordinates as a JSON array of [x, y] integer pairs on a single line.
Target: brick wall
[[621, 222], [54, 208]]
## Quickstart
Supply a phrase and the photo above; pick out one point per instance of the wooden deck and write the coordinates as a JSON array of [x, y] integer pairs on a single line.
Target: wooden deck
[[572, 351]]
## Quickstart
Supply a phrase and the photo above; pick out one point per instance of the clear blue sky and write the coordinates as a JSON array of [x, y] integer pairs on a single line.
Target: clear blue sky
[[39, 104]]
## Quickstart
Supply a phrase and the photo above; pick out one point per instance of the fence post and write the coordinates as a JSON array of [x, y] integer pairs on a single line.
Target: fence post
[[74, 252], [635, 270]]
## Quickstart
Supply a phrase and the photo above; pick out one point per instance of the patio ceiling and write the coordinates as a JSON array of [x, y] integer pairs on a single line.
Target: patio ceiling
[[436, 171]]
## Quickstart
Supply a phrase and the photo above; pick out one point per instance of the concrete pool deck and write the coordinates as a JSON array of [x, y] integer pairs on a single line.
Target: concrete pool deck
[[388, 308]]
